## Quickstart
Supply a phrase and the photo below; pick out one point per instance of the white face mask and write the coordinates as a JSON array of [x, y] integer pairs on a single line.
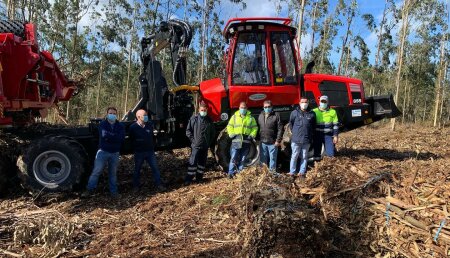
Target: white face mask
[[303, 106]]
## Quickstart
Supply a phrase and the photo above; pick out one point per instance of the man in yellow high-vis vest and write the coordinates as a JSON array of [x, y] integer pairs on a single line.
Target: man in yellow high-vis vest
[[242, 129], [327, 129]]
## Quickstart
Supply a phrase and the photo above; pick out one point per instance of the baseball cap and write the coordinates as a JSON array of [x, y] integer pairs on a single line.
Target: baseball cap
[[323, 98]]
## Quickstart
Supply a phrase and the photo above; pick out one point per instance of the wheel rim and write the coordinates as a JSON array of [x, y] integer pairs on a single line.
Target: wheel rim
[[253, 155], [51, 168]]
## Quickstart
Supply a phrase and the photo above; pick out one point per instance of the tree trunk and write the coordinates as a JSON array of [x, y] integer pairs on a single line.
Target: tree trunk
[[204, 40], [380, 34], [441, 109], [313, 27], [130, 55], [99, 84], [347, 60], [300, 26], [401, 48], [11, 9], [344, 42], [439, 81]]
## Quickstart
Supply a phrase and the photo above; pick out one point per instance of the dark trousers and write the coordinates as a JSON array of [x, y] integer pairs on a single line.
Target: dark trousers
[[197, 163], [325, 139], [139, 158]]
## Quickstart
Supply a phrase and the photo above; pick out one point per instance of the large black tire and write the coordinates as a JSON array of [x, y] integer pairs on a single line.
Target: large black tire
[[8, 174], [286, 146], [3, 176], [15, 27], [222, 151], [53, 164]]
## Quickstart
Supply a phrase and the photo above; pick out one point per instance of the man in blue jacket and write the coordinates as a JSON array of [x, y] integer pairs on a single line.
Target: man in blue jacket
[[141, 134], [302, 122], [111, 137]]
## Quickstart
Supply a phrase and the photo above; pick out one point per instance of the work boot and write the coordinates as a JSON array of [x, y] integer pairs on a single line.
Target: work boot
[[161, 188], [87, 193], [199, 178], [230, 175], [115, 196], [188, 179]]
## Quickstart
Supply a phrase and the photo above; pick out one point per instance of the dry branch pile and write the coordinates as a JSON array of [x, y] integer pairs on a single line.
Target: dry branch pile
[[385, 195]]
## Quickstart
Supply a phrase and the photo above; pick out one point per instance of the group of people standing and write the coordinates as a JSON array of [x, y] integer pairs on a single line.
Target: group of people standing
[[318, 127]]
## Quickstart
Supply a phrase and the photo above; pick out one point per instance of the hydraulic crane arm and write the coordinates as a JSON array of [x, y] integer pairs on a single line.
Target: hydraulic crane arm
[[177, 35]]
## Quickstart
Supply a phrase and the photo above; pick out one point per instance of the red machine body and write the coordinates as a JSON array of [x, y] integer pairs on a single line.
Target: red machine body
[[30, 80], [276, 76]]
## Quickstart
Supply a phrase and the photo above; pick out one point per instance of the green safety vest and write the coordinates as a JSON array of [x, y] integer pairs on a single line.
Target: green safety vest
[[239, 128], [327, 121]]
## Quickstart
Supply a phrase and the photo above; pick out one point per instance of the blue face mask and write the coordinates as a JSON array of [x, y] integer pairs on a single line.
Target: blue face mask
[[203, 113], [242, 111], [111, 117], [267, 109], [145, 119], [323, 105]]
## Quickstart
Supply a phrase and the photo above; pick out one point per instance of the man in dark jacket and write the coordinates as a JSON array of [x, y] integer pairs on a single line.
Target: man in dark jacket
[[271, 132], [200, 131], [141, 134], [302, 122], [111, 137]]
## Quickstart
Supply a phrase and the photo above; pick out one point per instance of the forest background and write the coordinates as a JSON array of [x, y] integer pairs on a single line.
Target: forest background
[[98, 41]]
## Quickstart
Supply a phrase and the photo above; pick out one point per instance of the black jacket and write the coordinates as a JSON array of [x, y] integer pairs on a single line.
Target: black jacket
[[200, 131], [270, 130], [302, 125]]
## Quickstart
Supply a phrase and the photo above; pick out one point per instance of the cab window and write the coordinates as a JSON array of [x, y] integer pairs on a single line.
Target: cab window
[[283, 58], [250, 60]]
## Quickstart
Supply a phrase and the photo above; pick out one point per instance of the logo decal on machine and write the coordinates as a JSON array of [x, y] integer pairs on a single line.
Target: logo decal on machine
[[224, 116], [258, 96], [356, 112]]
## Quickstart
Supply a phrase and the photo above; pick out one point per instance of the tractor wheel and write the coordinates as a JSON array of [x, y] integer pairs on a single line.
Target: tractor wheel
[[222, 151], [3, 176], [286, 146], [7, 174], [15, 27], [53, 163]]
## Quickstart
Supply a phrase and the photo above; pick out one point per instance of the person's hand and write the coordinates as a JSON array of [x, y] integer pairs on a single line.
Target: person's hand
[[277, 144], [335, 139]]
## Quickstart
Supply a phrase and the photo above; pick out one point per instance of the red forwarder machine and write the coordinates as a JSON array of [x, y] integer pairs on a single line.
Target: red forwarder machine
[[261, 62]]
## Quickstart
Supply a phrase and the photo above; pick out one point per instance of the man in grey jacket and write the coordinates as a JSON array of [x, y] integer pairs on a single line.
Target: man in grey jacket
[[271, 133]]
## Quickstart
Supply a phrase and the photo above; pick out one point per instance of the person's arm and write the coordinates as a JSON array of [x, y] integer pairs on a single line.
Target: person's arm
[[279, 129], [313, 124], [254, 128], [190, 130], [230, 127], [212, 133], [335, 128], [292, 119]]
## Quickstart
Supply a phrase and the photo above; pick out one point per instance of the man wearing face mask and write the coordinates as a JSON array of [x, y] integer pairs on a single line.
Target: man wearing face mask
[[271, 133], [201, 132], [327, 129], [302, 122], [242, 129], [141, 134], [111, 137]]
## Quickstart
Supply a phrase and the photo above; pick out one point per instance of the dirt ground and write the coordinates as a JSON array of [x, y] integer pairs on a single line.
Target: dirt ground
[[386, 194]]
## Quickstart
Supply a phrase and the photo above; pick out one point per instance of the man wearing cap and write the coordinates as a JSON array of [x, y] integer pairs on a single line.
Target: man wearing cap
[[327, 129]]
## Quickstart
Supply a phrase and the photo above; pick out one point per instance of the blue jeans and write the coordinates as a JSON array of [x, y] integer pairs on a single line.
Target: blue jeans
[[299, 150], [268, 155], [325, 139], [101, 159], [238, 157], [139, 158]]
